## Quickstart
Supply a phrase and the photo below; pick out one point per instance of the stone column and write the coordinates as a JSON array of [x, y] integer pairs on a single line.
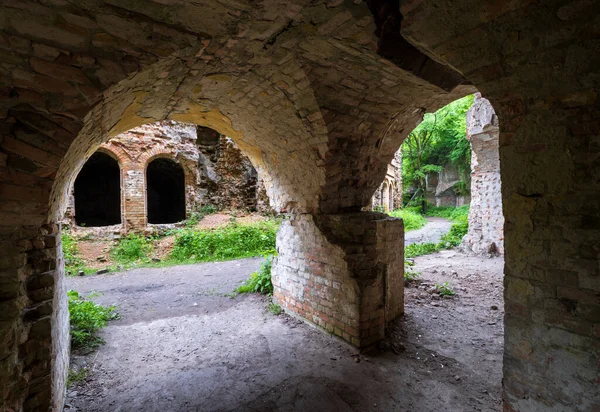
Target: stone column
[[486, 221], [342, 272]]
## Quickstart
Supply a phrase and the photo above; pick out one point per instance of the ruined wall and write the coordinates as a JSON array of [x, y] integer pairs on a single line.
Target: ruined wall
[[216, 171], [344, 273], [486, 221], [445, 193], [388, 195], [227, 179]]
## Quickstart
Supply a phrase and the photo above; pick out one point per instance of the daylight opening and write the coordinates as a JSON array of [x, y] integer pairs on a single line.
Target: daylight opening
[[97, 192], [165, 184]]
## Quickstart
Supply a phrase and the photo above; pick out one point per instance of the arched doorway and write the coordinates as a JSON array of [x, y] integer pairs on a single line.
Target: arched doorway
[[97, 191], [165, 191]]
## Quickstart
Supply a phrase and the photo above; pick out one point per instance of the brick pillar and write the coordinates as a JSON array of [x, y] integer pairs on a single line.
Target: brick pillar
[[34, 325], [342, 272]]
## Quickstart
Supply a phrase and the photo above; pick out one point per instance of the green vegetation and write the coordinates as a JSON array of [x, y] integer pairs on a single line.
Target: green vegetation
[[260, 281], [460, 217], [438, 140], [412, 219], [233, 241], [76, 375], [409, 274], [87, 318], [449, 212], [73, 263], [132, 249], [275, 309], [445, 289]]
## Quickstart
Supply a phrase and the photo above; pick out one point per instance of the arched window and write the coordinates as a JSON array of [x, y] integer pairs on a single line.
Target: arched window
[[165, 189], [97, 191]]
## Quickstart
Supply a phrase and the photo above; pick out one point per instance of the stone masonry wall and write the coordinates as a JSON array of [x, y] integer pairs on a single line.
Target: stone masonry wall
[[344, 273], [486, 220], [217, 174]]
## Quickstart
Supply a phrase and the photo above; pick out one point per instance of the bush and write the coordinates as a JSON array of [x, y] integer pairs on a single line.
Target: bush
[[132, 248], [87, 318], [418, 249], [412, 219], [260, 281], [230, 242]]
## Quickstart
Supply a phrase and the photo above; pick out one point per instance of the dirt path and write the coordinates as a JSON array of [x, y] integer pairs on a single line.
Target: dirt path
[[431, 232], [183, 345]]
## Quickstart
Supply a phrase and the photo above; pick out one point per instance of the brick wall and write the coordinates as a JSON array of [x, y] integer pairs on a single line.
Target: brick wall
[[344, 273]]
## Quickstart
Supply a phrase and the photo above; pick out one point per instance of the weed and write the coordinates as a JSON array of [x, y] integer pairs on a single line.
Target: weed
[[132, 248], [275, 309], [445, 289], [412, 219], [87, 318], [448, 212], [208, 210], [73, 263], [418, 249], [76, 375], [260, 281], [410, 275], [230, 242]]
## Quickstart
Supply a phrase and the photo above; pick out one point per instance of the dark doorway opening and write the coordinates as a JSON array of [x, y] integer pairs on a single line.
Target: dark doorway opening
[[97, 191], [165, 183]]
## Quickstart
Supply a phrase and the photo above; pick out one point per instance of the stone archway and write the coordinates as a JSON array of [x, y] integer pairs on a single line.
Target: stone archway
[[76, 74]]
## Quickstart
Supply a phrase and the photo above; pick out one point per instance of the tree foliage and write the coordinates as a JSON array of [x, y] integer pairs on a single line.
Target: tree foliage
[[438, 140]]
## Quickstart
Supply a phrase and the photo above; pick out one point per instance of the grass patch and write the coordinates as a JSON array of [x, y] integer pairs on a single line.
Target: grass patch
[[460, 227], [87, 318], [233, 241], [275, 309], [449, 212], [73, 262], [131, 249], [76, 376], [445, 289], [412, 219], [260, 281]]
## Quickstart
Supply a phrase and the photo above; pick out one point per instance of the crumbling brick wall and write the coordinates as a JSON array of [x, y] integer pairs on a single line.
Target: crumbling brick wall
[[486, 221]]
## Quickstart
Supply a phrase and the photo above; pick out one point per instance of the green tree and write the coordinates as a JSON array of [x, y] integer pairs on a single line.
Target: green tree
[[438, 140]]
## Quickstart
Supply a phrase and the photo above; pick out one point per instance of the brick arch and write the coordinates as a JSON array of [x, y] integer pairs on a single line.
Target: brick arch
[[189, 176]]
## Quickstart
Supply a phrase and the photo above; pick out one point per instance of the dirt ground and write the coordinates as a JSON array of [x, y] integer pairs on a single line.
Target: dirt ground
[[184, 344], [432, 232]]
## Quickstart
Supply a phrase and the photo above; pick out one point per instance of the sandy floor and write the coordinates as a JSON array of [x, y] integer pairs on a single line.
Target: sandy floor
[[183, 344]]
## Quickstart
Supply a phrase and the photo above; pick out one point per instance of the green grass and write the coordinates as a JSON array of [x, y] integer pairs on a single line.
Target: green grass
[[260, 281], [412, 219], [73, 263], [460, 217], [87, 318], [449, 212], [233, 241], [445, 289], [131, 249]]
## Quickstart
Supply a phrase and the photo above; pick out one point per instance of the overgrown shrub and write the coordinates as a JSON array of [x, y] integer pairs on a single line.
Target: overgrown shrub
[[260, 281], [412, 219], [87, 318], [132, 248], [233, 241]]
